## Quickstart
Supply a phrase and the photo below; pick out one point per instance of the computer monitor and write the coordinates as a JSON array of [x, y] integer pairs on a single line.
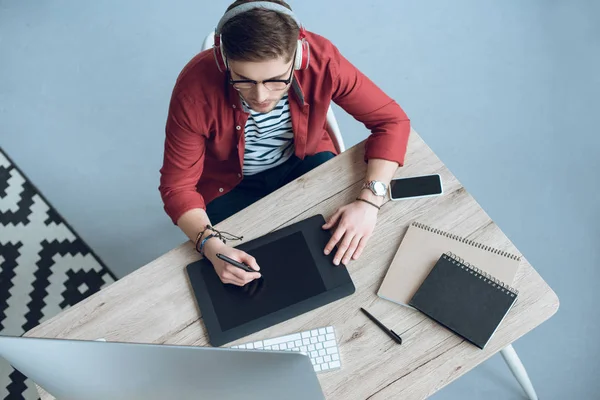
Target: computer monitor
[[94, 370]]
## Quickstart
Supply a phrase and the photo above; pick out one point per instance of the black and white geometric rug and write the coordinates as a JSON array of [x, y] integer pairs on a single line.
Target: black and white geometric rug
[[45, 267]]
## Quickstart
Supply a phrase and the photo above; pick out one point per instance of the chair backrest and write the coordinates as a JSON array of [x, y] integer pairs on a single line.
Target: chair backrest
[[209, 41], [332, 125]]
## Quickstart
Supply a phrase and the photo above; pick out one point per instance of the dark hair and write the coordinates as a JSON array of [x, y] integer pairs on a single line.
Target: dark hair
[[259, 34]]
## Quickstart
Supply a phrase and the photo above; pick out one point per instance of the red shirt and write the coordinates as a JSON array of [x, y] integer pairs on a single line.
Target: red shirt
[[204, 145]]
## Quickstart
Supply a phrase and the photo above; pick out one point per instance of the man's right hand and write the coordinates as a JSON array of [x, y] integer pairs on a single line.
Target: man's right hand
[[227, 272]]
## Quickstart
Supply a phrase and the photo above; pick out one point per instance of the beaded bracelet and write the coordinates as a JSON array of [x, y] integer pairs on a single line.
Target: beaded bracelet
[[199, 237], [201, 250], [218, 234]]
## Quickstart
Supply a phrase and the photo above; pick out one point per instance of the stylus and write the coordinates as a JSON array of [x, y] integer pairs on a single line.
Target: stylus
[[390, 332], [235, 263]]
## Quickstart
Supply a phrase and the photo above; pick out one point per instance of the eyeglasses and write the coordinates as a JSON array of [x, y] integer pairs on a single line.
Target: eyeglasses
[[271, 85]]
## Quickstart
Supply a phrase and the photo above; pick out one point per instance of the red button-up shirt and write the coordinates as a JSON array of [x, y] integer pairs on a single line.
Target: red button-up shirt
[[204, 146]]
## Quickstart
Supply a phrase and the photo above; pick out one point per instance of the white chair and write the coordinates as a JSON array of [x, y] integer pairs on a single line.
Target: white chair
[[332, 125], [508, 353]]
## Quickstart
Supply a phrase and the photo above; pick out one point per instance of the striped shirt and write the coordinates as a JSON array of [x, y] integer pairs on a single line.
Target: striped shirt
[[269, 138]]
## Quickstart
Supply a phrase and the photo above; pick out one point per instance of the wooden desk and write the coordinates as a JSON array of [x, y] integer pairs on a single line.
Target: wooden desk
[[155, 303]]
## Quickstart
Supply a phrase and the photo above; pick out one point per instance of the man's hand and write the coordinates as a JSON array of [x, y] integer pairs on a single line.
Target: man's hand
[[355, 224], [227, 272]]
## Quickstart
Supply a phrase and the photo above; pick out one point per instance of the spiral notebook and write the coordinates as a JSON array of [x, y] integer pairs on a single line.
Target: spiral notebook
[[421, 248], [464, 299]]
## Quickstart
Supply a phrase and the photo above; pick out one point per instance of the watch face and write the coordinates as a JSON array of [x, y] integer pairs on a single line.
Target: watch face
[[379, 188]]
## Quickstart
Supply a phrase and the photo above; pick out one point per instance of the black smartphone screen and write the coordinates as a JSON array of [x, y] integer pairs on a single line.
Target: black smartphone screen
[[417, 186]]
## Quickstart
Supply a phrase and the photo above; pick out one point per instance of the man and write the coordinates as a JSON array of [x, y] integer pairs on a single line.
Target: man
[[250, 117]]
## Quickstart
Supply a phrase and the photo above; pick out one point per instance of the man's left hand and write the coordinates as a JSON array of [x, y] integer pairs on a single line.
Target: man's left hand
[[355, 224]]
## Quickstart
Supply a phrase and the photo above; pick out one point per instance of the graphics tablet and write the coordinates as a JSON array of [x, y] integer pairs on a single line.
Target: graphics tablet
[[296, 278]]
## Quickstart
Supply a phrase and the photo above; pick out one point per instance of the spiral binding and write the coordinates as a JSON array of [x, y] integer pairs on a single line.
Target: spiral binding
[[481, 274], [466, 241]]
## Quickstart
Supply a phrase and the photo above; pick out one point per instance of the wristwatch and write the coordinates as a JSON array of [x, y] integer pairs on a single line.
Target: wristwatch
[[378, 188]]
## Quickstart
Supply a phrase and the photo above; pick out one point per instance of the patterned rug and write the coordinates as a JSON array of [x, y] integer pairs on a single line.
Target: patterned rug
[[45, 267]]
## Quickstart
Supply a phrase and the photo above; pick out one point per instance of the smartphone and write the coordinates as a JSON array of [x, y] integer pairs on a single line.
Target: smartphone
[[415, 187]]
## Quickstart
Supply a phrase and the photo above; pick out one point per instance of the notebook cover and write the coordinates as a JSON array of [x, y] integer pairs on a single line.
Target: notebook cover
[[421, 248], [470, 303]]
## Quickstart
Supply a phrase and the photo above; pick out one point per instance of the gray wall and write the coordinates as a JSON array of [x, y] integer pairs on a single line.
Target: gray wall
[[506, 93]]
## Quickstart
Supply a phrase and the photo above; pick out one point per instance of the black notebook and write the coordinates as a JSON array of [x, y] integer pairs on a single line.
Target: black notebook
[[464, 299]]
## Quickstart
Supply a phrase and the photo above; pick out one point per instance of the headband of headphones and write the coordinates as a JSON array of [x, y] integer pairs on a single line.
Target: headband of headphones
[[302, 50], [242, 8]]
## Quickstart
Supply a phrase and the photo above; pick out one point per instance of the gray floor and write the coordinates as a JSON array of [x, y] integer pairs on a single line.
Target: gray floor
[[504, 91]]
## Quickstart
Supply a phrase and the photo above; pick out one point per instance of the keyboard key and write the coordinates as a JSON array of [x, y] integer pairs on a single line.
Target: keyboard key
[[306, 341], [329, 343], [298, 343], [321, 338], [330, 336], [317, 368], [303, 348], [327, 358], [304, 352], [335, 356], [312, 360], [234, 347], [324, 366], [319, 346], [329, 329], [250, 346], [267, 348], [305, 335], [322, 352], [332, 350], [258, 345], [282, 339], [290, 345], [319, 360], [334, 364], [311, 347], [322, 331], [296, 349], [314, 354], [275, 347], [313, 340], [314, 333]]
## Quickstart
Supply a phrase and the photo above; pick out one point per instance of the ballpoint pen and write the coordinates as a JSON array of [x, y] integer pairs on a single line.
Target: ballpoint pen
[[389, 332]]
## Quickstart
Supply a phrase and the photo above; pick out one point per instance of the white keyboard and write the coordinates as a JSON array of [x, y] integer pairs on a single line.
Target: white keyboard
[[318, 344]]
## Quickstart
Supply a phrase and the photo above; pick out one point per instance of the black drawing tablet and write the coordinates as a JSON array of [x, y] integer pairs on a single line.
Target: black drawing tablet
[[296, 278]]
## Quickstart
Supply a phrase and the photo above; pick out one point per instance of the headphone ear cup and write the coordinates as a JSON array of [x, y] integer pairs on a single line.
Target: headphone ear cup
[[302, 55], [298, 59], [218, 54]]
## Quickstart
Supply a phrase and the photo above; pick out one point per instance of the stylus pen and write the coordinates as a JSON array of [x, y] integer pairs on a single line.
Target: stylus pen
[[389, 332], [235, 263]]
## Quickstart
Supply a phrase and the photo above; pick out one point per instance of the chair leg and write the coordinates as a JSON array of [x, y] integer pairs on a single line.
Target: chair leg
[[518, 370]]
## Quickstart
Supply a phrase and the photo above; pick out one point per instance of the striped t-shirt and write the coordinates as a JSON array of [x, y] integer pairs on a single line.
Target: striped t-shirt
[[269, 138]]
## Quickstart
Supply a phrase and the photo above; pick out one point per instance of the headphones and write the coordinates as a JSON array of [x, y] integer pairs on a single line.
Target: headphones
[[302, 50]]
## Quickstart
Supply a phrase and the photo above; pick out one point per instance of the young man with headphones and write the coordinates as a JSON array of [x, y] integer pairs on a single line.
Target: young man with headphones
[[249, 117]]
